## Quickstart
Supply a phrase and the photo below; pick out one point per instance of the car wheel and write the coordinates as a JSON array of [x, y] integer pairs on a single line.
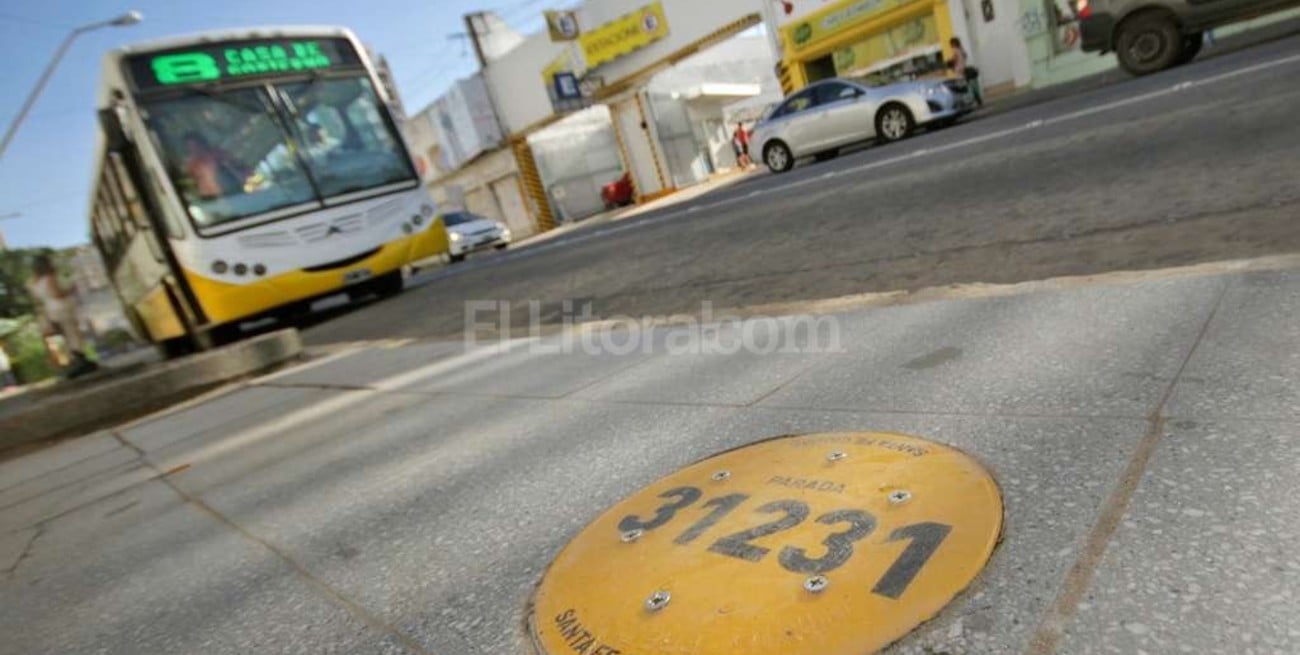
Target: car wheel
[[778, 157], [827, 156], [894, 123], [1148, 43], [1191, 47], [502, 246]]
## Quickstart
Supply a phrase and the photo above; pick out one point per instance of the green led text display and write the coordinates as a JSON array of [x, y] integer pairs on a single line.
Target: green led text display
[[239, 61]]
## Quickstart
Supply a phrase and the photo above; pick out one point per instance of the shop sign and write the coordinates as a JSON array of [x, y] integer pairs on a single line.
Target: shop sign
[[624, 35], [563, 25], [835, 18]]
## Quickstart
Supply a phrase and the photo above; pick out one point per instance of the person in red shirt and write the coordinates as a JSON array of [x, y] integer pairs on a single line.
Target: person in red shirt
[[740, 145]]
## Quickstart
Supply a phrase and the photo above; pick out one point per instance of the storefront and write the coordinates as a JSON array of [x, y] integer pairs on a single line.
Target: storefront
[[882, 39], [890, 40]]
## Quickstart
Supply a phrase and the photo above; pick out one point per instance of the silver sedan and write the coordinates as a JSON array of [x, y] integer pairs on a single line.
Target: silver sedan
[[830, 114]]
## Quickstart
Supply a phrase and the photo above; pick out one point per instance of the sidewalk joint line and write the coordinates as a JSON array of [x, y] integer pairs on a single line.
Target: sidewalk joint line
[[320, 586], [1058, 618], [37, 531]]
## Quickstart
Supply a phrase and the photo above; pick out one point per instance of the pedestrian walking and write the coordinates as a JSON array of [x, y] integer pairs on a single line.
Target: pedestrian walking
[[6, 370], [963, 70], [57, 306], [740, 145]]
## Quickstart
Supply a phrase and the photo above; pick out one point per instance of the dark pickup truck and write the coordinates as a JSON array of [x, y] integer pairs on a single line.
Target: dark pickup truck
[[1152, 35]]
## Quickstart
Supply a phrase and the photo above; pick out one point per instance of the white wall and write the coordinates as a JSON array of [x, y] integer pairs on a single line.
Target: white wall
[[515, 81], [997, 47], [516, 77], [422, 139]]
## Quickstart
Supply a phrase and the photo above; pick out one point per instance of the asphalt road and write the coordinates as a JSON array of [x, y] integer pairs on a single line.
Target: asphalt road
[[1193, 165]]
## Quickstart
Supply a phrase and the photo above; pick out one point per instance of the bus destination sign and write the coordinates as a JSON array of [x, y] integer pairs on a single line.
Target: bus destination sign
[[225, 61]]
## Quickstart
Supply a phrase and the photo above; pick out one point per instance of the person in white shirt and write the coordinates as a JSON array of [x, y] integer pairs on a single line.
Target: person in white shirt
[[58, 307], [6, 372]]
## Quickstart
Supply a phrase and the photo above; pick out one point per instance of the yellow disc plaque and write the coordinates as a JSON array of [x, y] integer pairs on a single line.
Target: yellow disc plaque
[[825, 544]]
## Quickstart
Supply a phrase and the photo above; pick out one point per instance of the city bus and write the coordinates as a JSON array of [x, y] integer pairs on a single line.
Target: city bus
[[243, 175]]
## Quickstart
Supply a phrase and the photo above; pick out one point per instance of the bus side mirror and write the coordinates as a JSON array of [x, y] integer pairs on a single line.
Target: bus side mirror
[[111, 124]]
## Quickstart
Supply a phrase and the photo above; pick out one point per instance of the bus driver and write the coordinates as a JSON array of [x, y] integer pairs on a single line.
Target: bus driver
[[215, 173]]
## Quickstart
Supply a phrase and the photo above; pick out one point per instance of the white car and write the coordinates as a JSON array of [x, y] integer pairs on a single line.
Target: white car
[[830, 114], [470, 232]]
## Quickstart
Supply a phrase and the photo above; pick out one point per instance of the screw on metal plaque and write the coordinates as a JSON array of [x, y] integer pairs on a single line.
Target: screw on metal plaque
[[721, 476], [631, 535], [836, 456], [899, 496], [657, 601], [816, 584]]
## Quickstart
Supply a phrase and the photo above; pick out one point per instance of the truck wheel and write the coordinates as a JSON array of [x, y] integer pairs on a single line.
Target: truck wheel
[[1148, 43], [1191, 46]]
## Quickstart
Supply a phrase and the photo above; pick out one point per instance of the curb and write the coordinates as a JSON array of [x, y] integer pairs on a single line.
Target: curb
[[83, 409]]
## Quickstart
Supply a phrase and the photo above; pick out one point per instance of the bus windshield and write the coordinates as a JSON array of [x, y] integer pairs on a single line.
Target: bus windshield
[[279, 147]]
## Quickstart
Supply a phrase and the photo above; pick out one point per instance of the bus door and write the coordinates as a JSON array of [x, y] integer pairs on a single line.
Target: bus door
[[152, 229]]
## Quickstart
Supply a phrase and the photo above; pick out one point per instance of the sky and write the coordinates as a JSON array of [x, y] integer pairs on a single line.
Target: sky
[[45, 174]]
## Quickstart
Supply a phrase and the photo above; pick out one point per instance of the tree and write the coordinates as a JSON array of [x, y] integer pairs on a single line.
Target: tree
[[15, 271]]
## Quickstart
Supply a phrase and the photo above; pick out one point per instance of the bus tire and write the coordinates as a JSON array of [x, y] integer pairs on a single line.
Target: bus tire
[[389, 284], [175, 348]]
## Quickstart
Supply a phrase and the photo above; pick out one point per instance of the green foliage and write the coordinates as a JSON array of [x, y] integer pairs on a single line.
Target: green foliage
[[27, 354]]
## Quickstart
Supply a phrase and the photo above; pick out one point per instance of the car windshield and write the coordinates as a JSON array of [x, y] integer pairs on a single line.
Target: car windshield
[[232, 156], [458, 218]]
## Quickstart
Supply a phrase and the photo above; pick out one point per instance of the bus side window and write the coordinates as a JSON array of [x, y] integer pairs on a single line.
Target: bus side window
[[117, 204], [133, 204], [108, 227], [173, 222], [105, 239]]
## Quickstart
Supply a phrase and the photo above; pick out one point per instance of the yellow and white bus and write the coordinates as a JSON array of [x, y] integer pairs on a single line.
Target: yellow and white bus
[[242, 175]]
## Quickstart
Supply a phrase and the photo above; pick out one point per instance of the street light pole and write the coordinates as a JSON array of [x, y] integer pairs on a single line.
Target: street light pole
[[125, 20]]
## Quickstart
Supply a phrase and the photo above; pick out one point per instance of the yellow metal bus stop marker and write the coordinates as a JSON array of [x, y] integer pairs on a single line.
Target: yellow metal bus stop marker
[[826, 544]]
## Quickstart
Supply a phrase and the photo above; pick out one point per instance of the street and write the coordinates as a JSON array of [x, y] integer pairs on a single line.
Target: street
[[1194, 165], [404, 491]]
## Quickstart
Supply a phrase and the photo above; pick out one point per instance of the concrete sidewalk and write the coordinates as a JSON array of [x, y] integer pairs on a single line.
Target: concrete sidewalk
[[1145, 431]]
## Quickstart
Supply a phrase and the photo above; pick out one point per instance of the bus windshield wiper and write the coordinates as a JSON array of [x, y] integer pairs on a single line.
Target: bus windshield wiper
[[226, 99]]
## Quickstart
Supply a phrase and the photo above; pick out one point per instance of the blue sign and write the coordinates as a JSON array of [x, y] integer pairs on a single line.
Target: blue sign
[[566, 86]]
